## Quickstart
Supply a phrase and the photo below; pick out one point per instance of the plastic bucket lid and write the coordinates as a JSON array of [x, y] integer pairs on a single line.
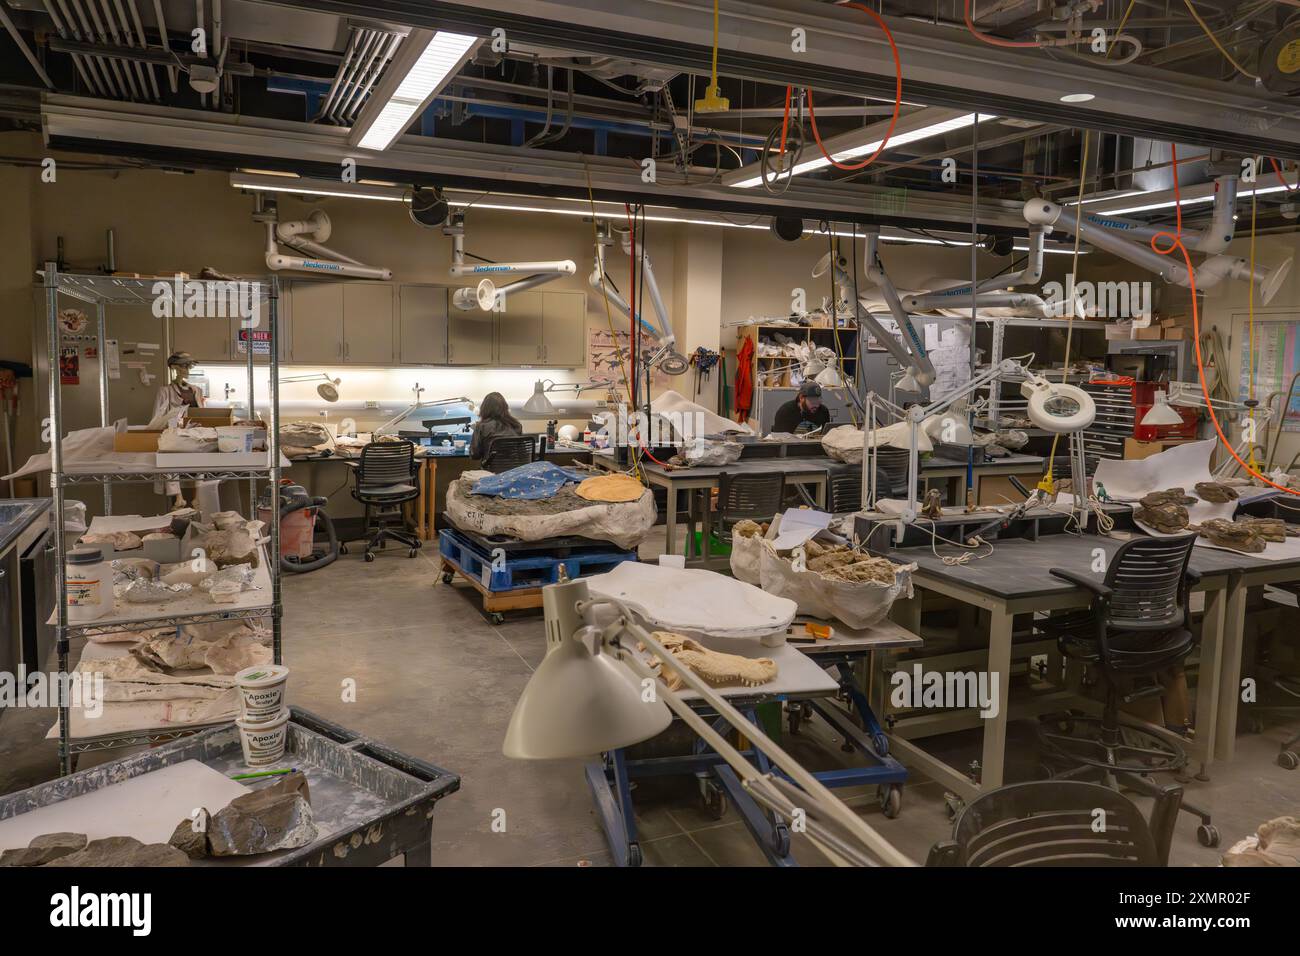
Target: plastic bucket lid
[[264, 726], [85, 555], [262, 675]]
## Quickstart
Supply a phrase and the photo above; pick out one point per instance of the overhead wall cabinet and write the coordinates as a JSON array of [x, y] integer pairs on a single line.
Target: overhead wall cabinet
[[536, 328], [221, 340], [422, 324]]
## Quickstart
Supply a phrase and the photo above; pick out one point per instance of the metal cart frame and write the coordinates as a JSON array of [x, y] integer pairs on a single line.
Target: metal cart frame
[[102, 291]]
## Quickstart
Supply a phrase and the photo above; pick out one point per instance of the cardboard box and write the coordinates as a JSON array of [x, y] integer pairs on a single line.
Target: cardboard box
[[1119, 331], [1177, 332], [1150, 332], [1135, 450], [136, 438], [209, 417]]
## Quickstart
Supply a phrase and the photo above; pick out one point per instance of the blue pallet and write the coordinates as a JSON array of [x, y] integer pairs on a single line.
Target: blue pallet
[[523, 573]]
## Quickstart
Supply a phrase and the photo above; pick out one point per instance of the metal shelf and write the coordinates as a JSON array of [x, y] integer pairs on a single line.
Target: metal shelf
[[102, 291]]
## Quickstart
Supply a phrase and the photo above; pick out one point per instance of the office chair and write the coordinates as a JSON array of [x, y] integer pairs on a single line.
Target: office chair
[[509, 452], [384, 481], [893, 462], [1136, 626], [756, 497], [1055, 823], [844, 489]]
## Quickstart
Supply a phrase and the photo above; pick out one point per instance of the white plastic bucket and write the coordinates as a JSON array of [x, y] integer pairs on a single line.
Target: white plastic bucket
[[263, 742], [261, 691]]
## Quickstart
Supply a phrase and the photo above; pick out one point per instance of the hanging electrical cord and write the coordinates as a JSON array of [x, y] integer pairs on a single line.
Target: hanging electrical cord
[[1219, 46], [1176, 243], [1250, 325], [992, 40], [898, 100], [1277, 171], [784, 172]]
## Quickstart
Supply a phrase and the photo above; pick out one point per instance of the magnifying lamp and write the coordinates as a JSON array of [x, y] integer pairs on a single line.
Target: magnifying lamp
[[327, 390], [1056, 406]]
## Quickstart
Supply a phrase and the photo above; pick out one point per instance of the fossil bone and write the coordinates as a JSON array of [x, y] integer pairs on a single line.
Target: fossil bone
[[1216, 492], [717, 668], [1234, 535], [1164, 510]]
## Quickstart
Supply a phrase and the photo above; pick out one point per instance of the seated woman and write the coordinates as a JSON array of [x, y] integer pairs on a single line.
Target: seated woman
[[494, 421]]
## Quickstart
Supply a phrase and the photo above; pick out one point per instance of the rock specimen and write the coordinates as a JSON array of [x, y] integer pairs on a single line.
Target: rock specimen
[[1215, 492], [276, 817], [1272, 529], [123, 851], [117, 540], [44, 849], [1233, 535], [1165, 511], [720, 670], [844, 564]]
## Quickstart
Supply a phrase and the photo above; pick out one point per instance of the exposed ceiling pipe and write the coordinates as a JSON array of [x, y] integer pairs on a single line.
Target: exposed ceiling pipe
[[22, 45], [77, 60], [108, 35], [93, 65], [144, 45], [369, 52], [108, 67], [164, 39], [387, 46], [116, 19], [348, 53]]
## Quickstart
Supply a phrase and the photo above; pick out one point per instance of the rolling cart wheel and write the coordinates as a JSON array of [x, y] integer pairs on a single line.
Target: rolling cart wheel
[[714, 801], [634, 854], [1288, 760], [793, 719], [343, 549], [413, 552], [447, 577], [496, 617], [1207, 834], [781, 839], [891, 799], [370, 556], [880, 743]]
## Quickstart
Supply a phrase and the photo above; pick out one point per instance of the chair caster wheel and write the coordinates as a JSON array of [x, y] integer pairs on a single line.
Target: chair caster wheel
[[634, 854], [447, 577], [370, 556], [891, 800], [713, 800], [413, 552], [1207, 834], [1288, 760]]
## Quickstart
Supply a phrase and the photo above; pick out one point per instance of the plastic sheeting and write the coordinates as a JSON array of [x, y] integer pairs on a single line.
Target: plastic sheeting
[[530, 482], [624, 524]]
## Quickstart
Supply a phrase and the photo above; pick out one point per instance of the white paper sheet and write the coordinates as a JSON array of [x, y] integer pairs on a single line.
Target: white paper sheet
[[1179, 467], [798, 525]]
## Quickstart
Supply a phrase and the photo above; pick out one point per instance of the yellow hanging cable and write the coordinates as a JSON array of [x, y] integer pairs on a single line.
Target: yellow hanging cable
[[714, 101], [1215, 40], [1047, 483], [609, 319], [1250, 313]]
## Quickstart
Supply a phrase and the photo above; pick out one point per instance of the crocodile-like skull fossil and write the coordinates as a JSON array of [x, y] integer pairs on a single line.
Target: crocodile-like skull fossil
[[718, 669]]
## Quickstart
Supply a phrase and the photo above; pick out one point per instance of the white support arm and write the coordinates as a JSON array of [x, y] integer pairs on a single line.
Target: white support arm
[[308, 235]]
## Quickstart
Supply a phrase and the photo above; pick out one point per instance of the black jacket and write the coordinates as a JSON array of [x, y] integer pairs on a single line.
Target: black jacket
[[790, 416]]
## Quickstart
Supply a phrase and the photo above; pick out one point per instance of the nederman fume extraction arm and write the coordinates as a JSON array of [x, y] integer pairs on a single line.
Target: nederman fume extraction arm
[[1131, 240], [306, 236], [666, 358], [907, 347], [486, 295], [990, 293]]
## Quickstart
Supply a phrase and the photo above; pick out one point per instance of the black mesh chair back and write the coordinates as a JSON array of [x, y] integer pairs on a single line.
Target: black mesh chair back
[[386, 464], [1148, 581], [756, 497], [1055, 823], [894, 462], [509, 452], [844, 489]]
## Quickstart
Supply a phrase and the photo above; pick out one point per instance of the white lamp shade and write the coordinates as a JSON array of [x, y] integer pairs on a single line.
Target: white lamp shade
[[949, 429], [538, 403], [1161, 413], [908, 382], [577, 704]]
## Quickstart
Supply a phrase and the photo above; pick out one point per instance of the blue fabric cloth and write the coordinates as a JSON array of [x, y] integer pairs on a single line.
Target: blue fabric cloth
[[531, 482]]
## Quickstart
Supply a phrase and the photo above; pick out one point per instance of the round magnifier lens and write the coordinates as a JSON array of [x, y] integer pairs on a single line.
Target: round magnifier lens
[[1061, 406]]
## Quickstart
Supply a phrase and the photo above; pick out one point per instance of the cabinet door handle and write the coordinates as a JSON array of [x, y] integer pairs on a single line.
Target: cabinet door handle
[[347, 349], [338, 349], [545, 352]]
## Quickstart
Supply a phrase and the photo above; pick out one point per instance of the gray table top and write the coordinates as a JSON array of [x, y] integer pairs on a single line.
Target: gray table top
[[880, 636], [1020, 568], [817, 464]]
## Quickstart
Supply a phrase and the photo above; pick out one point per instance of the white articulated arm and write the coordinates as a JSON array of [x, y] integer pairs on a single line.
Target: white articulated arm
[[487, 295], [307, 236], [959, 296], [1138, 251], [1214, 238], [914, 346]]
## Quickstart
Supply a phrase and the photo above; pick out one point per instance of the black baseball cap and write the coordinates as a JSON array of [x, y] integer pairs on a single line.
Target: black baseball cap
[[812, 392]]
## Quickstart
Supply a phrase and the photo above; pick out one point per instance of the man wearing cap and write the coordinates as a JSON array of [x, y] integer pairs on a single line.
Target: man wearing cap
[[802, 413]]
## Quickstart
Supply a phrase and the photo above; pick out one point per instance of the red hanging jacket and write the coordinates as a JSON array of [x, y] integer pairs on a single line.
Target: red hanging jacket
[[744, 379]]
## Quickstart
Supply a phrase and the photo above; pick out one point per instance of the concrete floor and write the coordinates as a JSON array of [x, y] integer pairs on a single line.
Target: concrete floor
[[436, 680]]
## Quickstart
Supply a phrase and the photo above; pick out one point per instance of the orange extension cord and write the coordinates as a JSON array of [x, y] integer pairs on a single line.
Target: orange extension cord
[[992, 40], [1176, 242], [898, 100]]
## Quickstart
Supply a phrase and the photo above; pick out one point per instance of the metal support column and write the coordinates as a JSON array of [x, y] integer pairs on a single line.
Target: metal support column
[[55, 433], [273, 446], [101, 322]]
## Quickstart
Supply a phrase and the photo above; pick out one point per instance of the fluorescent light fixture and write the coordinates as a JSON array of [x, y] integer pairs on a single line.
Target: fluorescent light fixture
[[1194, 201], [850, 146], [279, 183], [424, 63]]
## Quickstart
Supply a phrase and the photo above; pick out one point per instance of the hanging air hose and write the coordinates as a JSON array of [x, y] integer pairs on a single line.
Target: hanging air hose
[[294, 498]]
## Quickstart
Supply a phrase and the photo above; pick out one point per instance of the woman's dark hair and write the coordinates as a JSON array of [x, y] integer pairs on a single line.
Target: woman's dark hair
[[494, 407]]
